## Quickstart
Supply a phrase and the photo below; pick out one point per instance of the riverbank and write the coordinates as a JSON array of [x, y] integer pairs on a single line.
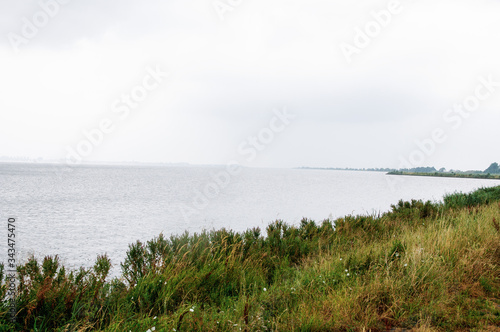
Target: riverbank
[[423, 265], [450, 175]]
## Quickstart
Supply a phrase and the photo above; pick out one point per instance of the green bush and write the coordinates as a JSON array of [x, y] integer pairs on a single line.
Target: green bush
[[479, 197]]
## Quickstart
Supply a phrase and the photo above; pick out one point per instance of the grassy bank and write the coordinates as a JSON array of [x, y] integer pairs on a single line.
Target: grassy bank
[[423, 265], [450, 175]]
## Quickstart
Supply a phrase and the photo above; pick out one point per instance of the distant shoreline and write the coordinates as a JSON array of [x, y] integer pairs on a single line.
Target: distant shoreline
[[450, 175], [346, 169]]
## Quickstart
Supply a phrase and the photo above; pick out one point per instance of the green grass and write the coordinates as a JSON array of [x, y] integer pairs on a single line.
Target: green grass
[[423, 265]]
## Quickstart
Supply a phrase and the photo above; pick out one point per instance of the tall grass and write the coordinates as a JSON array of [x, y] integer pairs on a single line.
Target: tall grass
[[478, 197], [424, 265]]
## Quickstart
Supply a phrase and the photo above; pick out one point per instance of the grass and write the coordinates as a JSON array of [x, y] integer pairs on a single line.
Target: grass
[[423, 265]]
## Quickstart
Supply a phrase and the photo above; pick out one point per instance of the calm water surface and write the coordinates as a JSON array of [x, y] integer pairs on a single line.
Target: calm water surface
[[80, 212]]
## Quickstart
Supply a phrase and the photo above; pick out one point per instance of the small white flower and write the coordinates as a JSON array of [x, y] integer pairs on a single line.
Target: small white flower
[[348, 274], [324, 282], [192, 310], [155, 317], [397, 254], [346, 271], [265, 290], [174, 330], [406, 265], [341, 259]]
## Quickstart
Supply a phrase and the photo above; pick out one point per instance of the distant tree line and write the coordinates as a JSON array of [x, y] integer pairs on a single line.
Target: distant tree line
[[493, 169], [419, 170], [349, 169]]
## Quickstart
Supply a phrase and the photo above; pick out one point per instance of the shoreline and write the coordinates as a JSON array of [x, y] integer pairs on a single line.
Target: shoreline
[[450, 175]]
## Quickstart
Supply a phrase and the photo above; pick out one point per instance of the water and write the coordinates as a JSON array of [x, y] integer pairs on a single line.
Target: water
[[80, 212]]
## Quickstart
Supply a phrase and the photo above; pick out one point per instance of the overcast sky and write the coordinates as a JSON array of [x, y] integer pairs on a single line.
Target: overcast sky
[[357, 83]]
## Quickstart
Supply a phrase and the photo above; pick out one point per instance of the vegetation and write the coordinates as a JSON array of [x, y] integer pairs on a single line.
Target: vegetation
[[492, 172], [493, 169], [450, 175], [432, 266]]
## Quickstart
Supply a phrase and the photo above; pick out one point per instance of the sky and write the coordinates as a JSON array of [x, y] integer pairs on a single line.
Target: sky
[[262, 83]]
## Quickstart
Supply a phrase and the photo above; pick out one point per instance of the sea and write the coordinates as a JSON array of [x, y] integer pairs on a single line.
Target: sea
[[80, 212]]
